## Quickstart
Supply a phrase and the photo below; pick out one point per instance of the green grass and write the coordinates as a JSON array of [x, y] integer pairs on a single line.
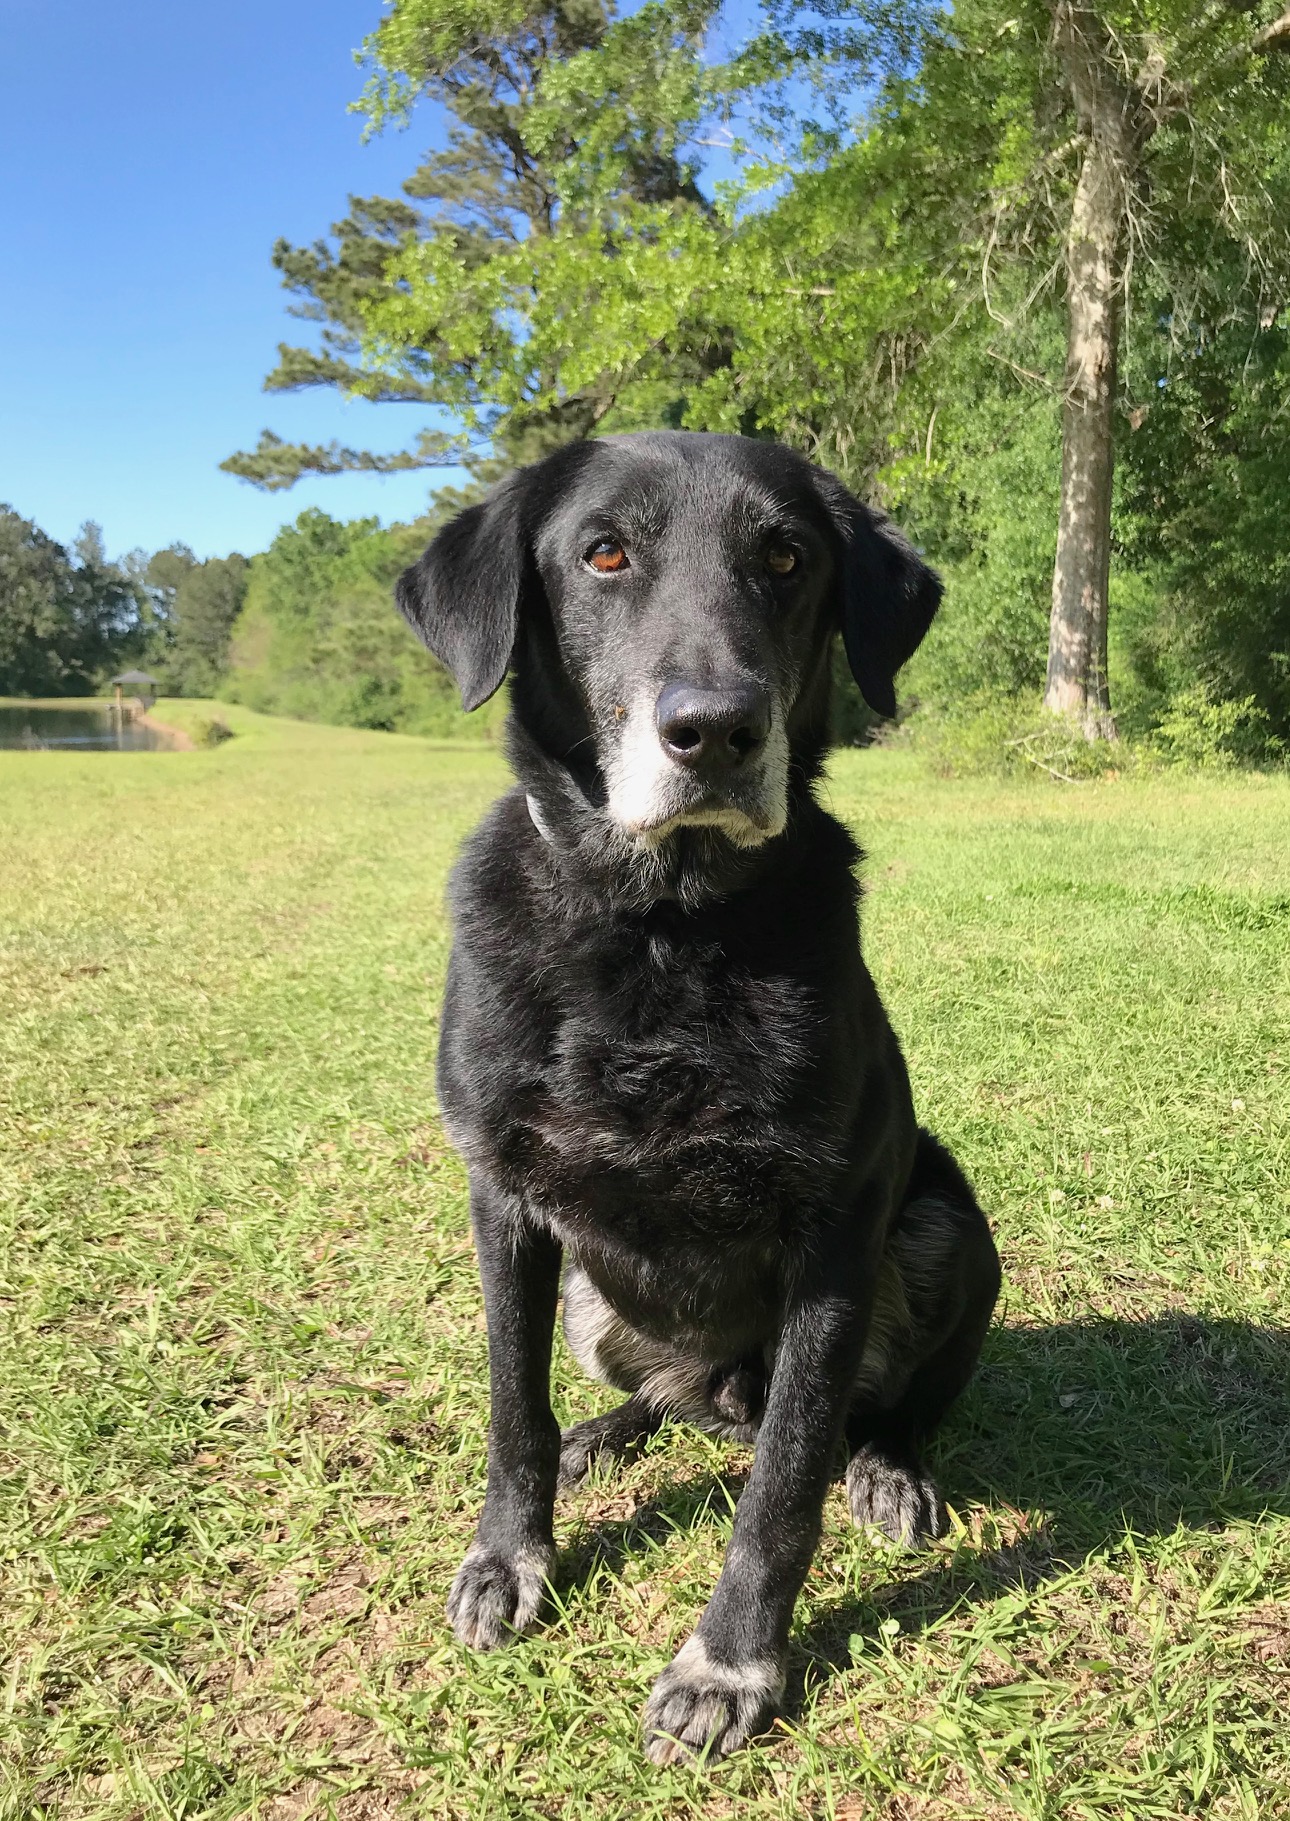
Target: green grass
[[242, 1395]]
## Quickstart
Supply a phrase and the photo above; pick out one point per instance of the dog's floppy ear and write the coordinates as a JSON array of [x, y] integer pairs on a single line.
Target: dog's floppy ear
[[463, 595], [889, 598]]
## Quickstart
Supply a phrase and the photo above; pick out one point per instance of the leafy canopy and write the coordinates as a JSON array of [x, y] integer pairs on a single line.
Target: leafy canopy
[[67, 620], [846, 229]]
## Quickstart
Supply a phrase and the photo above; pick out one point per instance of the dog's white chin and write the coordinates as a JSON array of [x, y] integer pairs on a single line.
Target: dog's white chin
[[735, 824], [647, 791]]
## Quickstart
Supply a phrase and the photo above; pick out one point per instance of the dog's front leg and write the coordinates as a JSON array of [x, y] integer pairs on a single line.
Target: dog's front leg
[[725, 1682], [499, 1586]]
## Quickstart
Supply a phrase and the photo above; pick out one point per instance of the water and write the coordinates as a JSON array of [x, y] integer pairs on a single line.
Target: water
[[80, 729]]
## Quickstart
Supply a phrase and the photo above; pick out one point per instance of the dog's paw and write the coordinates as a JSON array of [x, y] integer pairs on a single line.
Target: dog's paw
[[495, 1596], [611, 1437], [897, 1496], [699, 1707], [579, 1447]]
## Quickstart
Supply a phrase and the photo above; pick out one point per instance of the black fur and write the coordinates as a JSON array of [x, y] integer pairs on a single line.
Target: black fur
[[663, 1057]]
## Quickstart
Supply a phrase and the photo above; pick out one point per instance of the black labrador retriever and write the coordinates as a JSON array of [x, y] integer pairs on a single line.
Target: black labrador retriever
[[662, 1056]]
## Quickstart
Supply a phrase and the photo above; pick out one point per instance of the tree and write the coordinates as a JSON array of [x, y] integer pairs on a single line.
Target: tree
[[1133, 72], [316, 638], [198, 605], [64, 624], [1150, 138], [477, 222], [1203, 505], [1030, 200]]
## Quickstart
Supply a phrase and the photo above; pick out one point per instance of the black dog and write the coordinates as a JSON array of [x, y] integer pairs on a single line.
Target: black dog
[[662, 1056]]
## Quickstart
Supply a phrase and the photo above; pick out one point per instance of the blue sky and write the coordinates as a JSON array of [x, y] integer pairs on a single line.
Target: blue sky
[[154, 151]]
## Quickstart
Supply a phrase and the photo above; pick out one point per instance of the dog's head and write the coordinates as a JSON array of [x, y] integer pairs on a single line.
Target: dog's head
[[667, 602]]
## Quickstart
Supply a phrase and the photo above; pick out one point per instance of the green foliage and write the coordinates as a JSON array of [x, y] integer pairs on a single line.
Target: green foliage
[[198, 603], [276, 465], [430, 297], [210, 730], [982, 493], [1198, 731], [319, 637], [877, 280], [1205, 487], [988, 733], [66, 621]]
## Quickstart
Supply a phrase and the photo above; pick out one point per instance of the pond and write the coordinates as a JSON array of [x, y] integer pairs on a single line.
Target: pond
[[44, 728]]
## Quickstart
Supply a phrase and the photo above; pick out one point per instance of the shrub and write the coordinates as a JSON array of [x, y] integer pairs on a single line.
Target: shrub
[[991, 734], [211, 732], [1205, 733]]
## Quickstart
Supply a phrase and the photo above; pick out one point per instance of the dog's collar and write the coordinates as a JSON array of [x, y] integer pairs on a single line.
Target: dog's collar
[[536, 817]]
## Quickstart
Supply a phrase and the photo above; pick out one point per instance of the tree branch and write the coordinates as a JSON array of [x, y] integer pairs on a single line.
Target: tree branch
[[1040, 379], [1274, 37], [275, 465]]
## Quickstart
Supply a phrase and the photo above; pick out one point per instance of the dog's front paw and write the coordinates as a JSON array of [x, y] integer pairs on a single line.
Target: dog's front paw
[[897, 1496], [496, 1595], [702, 1707]]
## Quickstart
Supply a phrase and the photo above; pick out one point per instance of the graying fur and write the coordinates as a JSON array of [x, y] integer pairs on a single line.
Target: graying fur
[[903, 1329]]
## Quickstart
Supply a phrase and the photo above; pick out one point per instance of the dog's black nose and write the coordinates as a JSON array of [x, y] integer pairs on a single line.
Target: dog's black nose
[[712, 729]]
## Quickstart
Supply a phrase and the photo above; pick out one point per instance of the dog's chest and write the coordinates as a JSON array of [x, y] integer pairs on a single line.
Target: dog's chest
[[676, 1098]]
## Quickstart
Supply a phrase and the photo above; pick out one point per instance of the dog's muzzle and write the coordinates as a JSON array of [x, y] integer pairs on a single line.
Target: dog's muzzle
[[712, 732], [699, 757]]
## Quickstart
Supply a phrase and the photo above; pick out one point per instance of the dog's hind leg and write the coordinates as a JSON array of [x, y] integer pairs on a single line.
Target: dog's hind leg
[[606, 1348], [660, 1381], [612, 1436], [937, 1294]]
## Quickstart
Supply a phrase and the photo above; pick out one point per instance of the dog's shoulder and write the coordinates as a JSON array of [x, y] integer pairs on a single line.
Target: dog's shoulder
[[494, 884], [825, 852]]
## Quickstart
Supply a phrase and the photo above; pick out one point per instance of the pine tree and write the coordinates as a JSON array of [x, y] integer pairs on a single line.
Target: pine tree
[[467, 209]]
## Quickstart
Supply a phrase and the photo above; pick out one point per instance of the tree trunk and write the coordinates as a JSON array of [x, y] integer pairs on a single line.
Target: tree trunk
[[1077, 680]]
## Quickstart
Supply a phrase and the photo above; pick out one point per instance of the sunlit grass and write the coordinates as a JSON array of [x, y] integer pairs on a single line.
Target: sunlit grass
[[242, 1395]]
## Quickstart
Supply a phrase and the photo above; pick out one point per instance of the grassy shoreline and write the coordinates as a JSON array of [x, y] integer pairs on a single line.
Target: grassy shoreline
[[241, 1351]]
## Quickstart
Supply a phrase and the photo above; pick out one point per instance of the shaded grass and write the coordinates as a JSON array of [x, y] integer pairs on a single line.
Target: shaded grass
[[242, 1361]]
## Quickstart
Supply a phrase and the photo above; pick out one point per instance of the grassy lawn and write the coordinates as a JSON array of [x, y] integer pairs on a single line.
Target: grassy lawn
[[242, 1395]]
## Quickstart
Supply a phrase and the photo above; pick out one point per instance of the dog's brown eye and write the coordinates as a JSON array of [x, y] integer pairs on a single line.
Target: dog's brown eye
[[781, 559], [606, 557]]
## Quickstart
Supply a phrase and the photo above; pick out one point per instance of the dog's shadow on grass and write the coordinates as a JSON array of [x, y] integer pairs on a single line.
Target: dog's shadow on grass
[[1087, 1428], [1090, 1428], [605, 1543]]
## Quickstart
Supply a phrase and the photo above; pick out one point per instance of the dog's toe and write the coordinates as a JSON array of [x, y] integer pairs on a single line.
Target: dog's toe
[[897, 1496], [496, 1595], [703, 1708]]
